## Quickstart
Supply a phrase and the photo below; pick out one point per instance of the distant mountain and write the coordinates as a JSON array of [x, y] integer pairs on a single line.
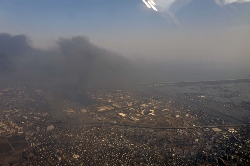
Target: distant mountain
[[209, 11]]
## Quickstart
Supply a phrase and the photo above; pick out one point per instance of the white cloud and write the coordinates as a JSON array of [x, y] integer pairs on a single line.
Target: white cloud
[[225, 2], [164, 3], [167, 3]]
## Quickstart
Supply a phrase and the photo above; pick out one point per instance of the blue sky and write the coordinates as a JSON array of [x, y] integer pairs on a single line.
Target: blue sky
[[54, 18], [111, 23]]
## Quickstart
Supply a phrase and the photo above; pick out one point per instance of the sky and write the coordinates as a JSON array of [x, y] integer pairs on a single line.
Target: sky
[[113, 20], [95, 19], [130, 29]]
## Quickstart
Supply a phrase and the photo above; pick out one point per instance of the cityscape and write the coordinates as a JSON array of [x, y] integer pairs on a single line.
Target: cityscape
[[139, 126]]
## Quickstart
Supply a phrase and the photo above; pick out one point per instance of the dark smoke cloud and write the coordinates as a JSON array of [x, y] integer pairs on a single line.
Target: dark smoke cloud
[[89, 64], [13, 45], [10, 48], [76, 63]]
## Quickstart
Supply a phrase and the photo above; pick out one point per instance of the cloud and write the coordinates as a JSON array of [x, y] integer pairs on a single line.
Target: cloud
[[12, 47], [75, 63], [163, 8], [179, 12], [164, 4], [225, 2]]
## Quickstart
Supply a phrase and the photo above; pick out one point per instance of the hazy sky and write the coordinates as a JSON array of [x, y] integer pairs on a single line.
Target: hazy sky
[[128, 27]]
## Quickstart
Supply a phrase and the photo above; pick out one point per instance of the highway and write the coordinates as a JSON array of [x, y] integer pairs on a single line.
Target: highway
[[181, 127], [172, 127]]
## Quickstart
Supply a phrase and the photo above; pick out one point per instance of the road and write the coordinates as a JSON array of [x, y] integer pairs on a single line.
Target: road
[[175, 127]]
